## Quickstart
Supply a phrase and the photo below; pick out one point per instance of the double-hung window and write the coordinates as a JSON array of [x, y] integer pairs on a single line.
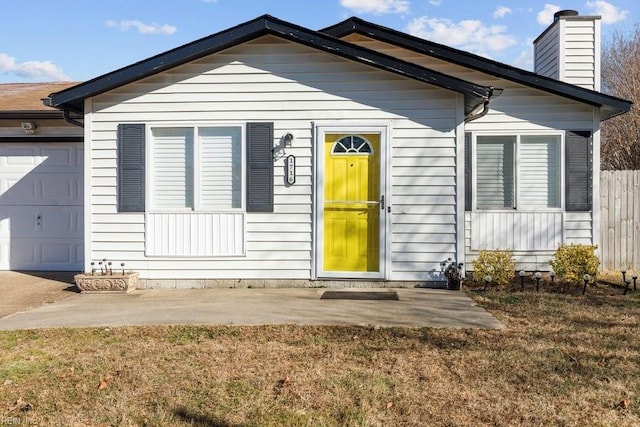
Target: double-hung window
[[197, 168], [518, 172]]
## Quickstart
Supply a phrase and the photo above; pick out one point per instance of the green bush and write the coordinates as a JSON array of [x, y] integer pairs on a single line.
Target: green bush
[[573, 261], [498, 264]]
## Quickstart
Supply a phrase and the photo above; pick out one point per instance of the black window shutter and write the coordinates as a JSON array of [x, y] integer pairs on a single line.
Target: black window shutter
[[130, 154], [468, 190], [260, 167], [579, 171]]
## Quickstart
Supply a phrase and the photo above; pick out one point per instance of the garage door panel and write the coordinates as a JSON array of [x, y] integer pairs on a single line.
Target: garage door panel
[[42, 254], [41, 221], [42, 189], [19, 155], [41, 206]]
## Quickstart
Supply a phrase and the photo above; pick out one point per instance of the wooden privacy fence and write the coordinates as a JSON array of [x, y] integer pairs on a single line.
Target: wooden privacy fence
[[620, 220]]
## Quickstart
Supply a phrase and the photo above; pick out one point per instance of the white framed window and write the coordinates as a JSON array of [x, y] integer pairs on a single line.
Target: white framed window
[[522, 172], [196, 168]]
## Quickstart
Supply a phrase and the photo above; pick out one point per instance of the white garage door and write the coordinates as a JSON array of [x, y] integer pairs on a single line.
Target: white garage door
[[41, 219]]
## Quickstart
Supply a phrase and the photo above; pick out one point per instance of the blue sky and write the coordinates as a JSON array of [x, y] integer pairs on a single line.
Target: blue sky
[[47, 40]]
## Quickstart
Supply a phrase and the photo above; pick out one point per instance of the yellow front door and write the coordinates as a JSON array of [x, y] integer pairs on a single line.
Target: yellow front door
[[351, 225]]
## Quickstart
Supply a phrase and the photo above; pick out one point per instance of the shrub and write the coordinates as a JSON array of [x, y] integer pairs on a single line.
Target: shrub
[[574, 261], [498, 264]]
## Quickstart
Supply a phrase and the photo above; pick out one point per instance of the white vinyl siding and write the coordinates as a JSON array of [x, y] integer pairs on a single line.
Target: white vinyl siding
[[495, 172], [292, 86], [581, 48], [570, 51], [172, 165], [195, 234], [547, 53], [539, 179]]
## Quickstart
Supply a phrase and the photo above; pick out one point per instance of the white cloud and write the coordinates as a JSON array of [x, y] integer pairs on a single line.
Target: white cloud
[[376, 6], [501, 12], [610, 13], [435, 2], [469, 35], [142, 27], [525, 59], [38, 70], [545, 16]]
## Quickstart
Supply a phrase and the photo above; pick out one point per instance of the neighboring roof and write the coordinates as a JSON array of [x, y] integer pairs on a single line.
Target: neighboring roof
[[610, 106], [24, 100], [72, 99]]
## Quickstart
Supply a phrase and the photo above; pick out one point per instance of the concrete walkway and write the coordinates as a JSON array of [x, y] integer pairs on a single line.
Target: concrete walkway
[[414, 308]]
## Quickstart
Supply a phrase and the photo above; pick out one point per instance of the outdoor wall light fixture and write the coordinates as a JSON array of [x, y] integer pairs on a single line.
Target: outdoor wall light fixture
[[538, 276], [288, 138], [522, 273], [586, 279], [28, 127]]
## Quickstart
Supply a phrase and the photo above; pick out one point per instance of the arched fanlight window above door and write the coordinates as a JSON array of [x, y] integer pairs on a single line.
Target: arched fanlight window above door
[[352, 144]]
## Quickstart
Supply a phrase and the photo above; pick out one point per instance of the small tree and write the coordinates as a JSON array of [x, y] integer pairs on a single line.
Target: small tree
[[621, 78]]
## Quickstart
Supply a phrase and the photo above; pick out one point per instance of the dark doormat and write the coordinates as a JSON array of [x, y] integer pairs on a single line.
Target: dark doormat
[[361, 295]]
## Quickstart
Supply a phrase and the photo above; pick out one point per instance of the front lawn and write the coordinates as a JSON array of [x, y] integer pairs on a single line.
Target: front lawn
[[561, 360]]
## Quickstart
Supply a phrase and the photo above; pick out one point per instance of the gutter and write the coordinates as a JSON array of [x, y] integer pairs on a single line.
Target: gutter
[[493, 93], [65, 113]]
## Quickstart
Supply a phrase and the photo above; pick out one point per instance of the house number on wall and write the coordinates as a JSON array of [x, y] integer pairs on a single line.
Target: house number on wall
[[290, 166]]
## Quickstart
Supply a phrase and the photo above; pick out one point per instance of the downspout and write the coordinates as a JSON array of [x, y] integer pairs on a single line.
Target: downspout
[[65, 113], [69, 119], [493, 93]]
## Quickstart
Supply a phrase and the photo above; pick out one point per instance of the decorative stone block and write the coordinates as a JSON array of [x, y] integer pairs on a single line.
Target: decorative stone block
[[108, 283]]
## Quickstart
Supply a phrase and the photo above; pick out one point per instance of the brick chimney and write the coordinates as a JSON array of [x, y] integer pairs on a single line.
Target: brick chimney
[[569, 50]]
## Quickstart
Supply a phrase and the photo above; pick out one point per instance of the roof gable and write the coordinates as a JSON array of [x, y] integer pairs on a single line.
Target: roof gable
[[72, 99], [610, 106]]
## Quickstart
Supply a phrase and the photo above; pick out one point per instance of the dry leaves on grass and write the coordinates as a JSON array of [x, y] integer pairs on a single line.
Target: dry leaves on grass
[[104, 382], [21, 405]]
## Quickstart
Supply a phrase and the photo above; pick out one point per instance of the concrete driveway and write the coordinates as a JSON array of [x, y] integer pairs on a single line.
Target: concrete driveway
[[60, 307], [25, 291]]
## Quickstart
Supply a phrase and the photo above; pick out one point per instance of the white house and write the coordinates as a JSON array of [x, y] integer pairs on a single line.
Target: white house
[[273, 153]]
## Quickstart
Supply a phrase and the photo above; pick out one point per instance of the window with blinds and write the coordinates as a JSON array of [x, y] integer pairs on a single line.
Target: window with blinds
[[197, 168], [518, 172]]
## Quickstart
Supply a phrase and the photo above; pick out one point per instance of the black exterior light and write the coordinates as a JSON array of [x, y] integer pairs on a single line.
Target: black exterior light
[[624, 274], [538, 276], [586, 279], [552, 274], [522, 274], [635, 279]]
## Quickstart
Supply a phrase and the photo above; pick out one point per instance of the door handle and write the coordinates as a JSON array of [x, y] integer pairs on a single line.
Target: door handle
[[382, 202]]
